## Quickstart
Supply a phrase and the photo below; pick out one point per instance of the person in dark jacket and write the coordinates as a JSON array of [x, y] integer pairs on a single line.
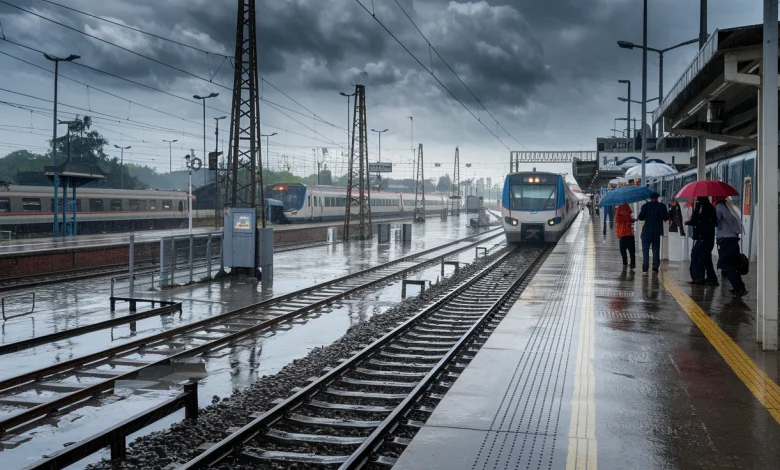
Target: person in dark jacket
[[675, 218], [729, 230], [703, 222], [654, 214]]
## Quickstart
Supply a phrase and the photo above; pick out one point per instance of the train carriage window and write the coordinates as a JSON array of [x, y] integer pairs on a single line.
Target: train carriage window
[[315, 201], [5, 205], [115, 205], [181, 206], [167, 205], [31, 204], [96, 205], [134, 206], [152, 204], [141, 205]]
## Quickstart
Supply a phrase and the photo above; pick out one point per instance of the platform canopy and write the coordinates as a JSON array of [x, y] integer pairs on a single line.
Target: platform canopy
[[717, 95], [77, 174]]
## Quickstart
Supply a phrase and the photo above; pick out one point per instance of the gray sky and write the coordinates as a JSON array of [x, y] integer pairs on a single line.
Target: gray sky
[[547, 70]]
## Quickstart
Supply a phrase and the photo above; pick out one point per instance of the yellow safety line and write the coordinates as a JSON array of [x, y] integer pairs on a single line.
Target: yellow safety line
[[759, 384], [582, 453]]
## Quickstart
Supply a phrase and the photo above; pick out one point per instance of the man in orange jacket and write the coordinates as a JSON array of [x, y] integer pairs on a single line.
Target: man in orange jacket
[[625, 233]]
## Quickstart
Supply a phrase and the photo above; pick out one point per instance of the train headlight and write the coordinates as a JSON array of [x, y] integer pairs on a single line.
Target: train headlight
[[511, 221], [556, 220], [551, 222]]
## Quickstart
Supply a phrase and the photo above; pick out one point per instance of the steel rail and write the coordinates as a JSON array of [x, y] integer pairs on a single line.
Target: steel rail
[[73, 363], [362, 454], [250, 431], [96, 359]]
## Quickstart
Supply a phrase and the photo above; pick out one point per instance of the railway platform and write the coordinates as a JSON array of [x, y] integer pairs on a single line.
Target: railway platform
[[599, 366]]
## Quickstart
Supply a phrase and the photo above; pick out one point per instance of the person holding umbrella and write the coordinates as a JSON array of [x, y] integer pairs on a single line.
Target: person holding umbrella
[[625, 233], [654, 214], [729, 230], [703, 222]]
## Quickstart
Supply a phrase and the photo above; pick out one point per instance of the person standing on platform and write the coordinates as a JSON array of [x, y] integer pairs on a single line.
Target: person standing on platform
[[675, 218], [654, 214], [609, 213], [625, 233], [729, 230], [703, 222]]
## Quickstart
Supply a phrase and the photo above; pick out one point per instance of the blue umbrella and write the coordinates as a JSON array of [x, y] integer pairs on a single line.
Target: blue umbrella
[[626, 195]]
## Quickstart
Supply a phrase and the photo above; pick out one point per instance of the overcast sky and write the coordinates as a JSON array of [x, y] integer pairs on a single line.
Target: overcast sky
[[547, 70]]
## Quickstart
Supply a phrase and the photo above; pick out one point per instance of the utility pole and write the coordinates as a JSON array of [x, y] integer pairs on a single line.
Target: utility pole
[[203, 100], [217, 153], [644, 93], [245, 181], [170, 155], [358, 171], [419, 190], [629, 138], [455, 197], [267, 155], [122, 166], [702, 23]]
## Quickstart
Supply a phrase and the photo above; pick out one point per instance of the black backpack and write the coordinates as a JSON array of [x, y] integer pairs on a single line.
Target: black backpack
[[744, 264]]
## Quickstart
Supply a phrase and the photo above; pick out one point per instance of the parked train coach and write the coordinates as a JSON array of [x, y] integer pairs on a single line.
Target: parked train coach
[[737, 171], [312, 203], [537, 207], [29, 210]]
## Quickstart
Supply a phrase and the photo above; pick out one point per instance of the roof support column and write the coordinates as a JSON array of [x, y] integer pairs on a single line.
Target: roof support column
[[768, 262], [759, 173], [701, 158]]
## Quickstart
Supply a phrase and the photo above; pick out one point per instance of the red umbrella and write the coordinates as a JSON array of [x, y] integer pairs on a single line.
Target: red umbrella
[[706, 188]]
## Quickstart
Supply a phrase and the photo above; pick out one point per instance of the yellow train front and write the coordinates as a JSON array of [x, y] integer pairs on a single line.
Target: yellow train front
[[537, 207]]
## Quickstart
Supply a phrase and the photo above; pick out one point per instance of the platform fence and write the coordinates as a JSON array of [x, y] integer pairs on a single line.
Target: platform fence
[[184, 260]]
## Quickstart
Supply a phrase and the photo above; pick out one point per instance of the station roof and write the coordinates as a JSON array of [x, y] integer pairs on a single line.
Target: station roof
[[78, 174], [722, 81]]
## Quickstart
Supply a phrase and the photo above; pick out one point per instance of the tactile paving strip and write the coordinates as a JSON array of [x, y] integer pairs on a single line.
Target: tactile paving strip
[[524, 429]]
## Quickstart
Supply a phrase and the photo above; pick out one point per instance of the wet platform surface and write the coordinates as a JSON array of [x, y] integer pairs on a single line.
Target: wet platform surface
[[599, 366]]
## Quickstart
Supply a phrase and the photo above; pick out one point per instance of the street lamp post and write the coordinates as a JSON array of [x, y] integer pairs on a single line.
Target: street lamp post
[[631, 45], [267, 158], [170, 154], [203, 100], [349, 142], [628, 117], [191, 162], [380, 142], [57, 61], [122, 165]]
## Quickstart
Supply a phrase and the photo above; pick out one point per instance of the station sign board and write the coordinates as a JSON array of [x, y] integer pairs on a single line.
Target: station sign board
[[380, 167]]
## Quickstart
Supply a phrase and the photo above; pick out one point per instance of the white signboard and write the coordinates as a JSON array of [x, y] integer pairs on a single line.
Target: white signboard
[[380, 167], [625, 160]]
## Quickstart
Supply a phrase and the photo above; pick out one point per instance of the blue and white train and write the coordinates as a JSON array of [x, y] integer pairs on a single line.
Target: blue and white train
[[537, 207], [312, 203]]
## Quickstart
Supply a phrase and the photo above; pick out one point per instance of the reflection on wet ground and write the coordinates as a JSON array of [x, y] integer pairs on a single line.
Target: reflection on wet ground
[[232, 367], [655, 393]]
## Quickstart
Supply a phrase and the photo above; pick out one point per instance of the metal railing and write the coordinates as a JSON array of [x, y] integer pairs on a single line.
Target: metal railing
[[25, 294]]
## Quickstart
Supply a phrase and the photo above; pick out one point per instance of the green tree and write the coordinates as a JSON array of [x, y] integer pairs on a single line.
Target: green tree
[[445, 184]]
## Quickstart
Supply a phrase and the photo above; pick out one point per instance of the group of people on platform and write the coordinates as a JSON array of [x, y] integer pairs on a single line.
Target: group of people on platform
[[708, 224]]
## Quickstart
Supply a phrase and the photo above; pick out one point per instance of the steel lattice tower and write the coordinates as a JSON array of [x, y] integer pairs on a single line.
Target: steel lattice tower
[[455, 197], [357, 175], [244, 186], [419, 191]]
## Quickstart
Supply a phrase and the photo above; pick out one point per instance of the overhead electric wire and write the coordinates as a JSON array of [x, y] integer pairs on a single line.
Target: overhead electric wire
[[431, 73], [455, 73], [191, 74]]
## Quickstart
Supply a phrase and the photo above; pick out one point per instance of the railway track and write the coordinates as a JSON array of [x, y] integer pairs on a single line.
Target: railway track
[[364, 412], [65, 385]]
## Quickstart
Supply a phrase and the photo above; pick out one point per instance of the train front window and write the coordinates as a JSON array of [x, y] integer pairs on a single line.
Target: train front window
[[533, 197], [292, 197]]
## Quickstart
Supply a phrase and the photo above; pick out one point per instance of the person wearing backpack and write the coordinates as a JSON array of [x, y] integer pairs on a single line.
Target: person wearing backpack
[[729, 253]]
